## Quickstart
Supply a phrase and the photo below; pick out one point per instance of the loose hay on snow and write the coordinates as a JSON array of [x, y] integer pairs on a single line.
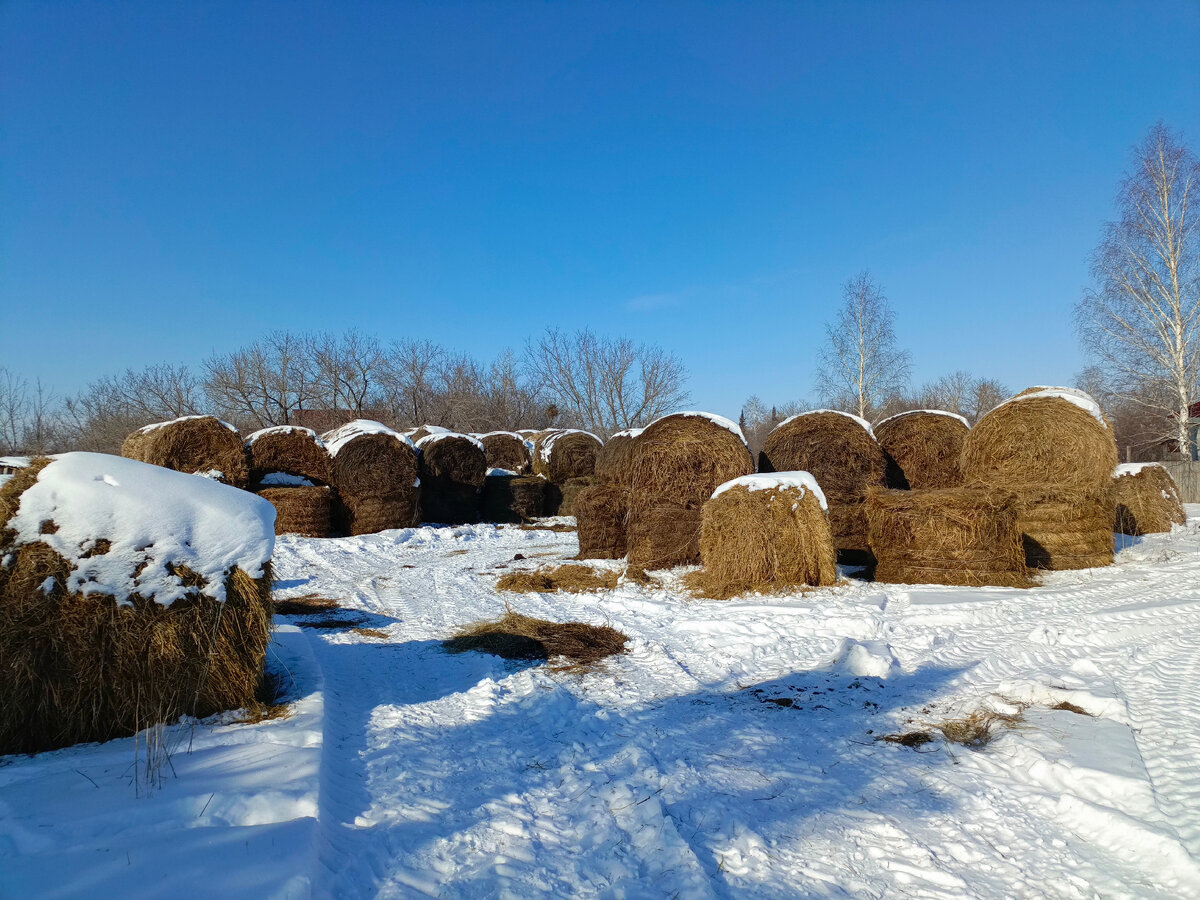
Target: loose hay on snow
[[1147, 500], [507, 450], [573, 579], [453, 469], [289, 449], [192, 444], [515, 636], [301, 510], [946, 536], [375, 473], [923, 449], [560, 455], [513, 498], [600, 512]]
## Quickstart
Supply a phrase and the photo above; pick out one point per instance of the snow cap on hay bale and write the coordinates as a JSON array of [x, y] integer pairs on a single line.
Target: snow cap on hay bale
[[192, 444], [762, 532], [600, 511], [129, 595], [1147, 499], [682, 458], [375, 473], [507, 450], [512, 498], [840, 451], [564, 454], [423, 431], [615, 459], [289, 449], [663, 535], [301, 510], [453, 469], [923, 447], [954, 536]]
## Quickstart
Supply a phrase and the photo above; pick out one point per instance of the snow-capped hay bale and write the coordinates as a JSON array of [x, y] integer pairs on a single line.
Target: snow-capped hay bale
[[765, 532], [129, 596], [841, 452], [923, 448], [1147, 499], [453, 469], [682, 458], [375, 474], [614, 462], [1066, 529], [301, 510], [565, 454], [289, 449], [663, 535], [192, 444], [954, 536], [507, 450], [600, 512], [512, 498], [423, 431]]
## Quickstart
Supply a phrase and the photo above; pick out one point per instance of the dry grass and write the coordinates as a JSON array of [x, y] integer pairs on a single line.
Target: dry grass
[[974, 731], [305, 605], [923, 450], [301, 510], [506, 450], [556, 527], [295, 452], [580, 646], [513, 498], [192, 444], [573, 579], [371, 633], [1147, 502], [568, 494], [600, 512], [374, 465]]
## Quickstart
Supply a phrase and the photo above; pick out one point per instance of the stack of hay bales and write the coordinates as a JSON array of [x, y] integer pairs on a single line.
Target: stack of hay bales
[[453, 468], [566, 458], [840, 451], [130, 595], [765, 532], [601, 509], [512, 498], [197, 445], [290, 468], [1053, 448], [1147, 499], [923, 447], [957, 536], [507, 450], [677, 463], [375, 473]]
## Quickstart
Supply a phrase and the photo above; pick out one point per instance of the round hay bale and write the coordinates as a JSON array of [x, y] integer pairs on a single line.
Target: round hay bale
[[614, 462], [453, 469], [306, 511], [512, 498], [130, 596], [684, 457], [1147, 499], [371, 515], [923, 448], [192, 444], [663, 535], [1064, 528], [565, 454], [564, 495], [600, 512], [763, 532], [507, 450], [375, 473], [841, 452], [288, 449], [955, 536]]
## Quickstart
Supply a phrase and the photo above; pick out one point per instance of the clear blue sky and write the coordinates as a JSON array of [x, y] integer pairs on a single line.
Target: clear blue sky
[[178, 178]]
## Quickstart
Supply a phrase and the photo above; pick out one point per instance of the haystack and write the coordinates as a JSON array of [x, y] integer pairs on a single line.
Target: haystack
[[841, 452], [614, 462], [131, 595], [663, 535], [1053, 448], [600, 512], [763, 533], [512, 498], [301, 510], [288, 449], [375, 473], [563, 496], [453, 469], [946, 536], [923, 447], [507, 450], [1147, 499], [192, 444], [564, 454]]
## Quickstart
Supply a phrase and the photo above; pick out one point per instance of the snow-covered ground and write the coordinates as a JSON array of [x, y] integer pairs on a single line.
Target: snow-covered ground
[[730, 752]]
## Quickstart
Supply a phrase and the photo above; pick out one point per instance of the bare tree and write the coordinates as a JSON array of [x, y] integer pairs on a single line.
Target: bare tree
[[100, 416], [985, 395], [346, 371], [757, 419], [408, 381], [14, 408], [861, 366], [1141, 323], [262, 384], [605, 384]]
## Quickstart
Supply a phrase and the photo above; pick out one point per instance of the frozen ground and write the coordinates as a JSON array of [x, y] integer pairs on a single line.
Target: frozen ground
[[730, 752]]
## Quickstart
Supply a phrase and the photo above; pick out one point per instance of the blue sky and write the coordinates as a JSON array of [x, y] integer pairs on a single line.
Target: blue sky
[[177, 178]]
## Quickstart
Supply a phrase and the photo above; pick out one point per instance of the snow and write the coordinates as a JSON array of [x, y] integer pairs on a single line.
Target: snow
[[492, 473], [283, 479], [861, 421], [16, 462], [340, 437], [1133, 468], [730, 752], [634, 432], [727, 424], [1074, 396], [154, 426], [442, 435], [283, 429], [511, 434], [805, 481], [153, 517], [933, 412], [548, 443]]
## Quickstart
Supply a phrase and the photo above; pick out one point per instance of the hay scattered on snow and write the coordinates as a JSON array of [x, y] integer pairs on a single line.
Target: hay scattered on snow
[[923, 448], [573, 579], [192, 444], [515, 636], [1147, 499], [288, 449]]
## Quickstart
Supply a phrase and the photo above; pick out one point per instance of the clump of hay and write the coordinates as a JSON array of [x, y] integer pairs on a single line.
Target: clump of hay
[[301, 510], [375, 473], [954, 536], [507, 450], [192, 444], [764, 533], [614, 462], [288, 449], [515, 636], [1053, 448], [1147, 500], [974, 731], [82, 662], [923, 448], [512, 498], [453, 469], [573, 579], [560, 455], [841, 452], [600, 512], [663, 536]]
